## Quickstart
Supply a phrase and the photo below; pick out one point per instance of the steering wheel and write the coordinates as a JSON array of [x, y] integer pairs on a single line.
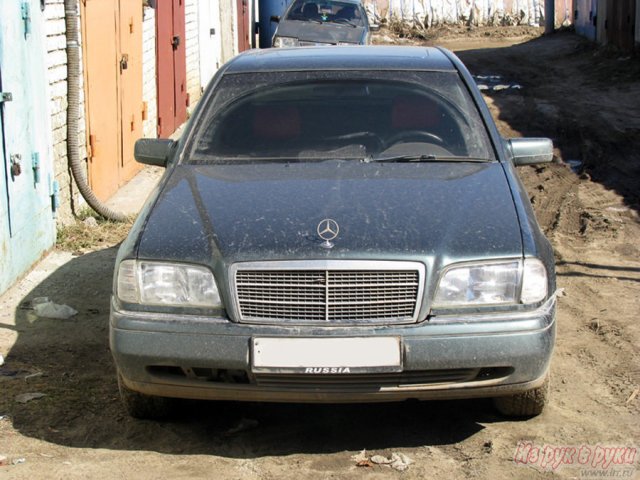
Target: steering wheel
[[407, 135], [379, 144]]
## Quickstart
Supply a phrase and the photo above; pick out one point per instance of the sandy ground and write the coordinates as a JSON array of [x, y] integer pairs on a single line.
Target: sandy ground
[[588, 101]]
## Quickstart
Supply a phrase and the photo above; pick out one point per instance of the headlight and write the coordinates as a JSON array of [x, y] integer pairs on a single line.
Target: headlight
[[285, 42], [495, 283], [534, 281], [171, 284]]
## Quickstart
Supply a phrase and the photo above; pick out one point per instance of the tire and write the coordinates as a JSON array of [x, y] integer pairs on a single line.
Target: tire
[[143, 406], [525, 404]]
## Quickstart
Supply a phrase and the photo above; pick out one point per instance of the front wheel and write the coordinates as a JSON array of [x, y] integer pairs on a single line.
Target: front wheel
[[143, 406], [524, 404]]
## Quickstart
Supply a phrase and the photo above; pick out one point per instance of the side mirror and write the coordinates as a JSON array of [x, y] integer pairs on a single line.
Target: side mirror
[[528, 151], [152, 151], [275, 18], [374, 27]]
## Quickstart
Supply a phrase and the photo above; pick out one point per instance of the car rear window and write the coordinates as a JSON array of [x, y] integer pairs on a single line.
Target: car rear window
[[300, 115], [326, 11]]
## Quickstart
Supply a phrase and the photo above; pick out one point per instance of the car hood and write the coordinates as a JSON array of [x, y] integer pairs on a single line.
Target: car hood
[[320, 33], [223, 214]]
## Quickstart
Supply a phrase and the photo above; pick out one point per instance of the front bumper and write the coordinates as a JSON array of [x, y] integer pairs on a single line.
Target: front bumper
[[449, 357]]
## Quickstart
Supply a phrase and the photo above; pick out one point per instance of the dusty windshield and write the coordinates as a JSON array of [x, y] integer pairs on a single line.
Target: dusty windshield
[[339, 115], [326, 11]]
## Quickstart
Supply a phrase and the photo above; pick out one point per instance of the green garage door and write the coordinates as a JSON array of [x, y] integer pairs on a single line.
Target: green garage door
[[26, 218]]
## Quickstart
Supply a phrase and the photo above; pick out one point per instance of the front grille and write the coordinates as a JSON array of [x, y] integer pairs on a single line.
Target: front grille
[[304, 43], [337, 294], [374, 381]]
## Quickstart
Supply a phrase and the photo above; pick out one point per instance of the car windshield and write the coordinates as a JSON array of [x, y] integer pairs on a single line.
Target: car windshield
[[366, 116], [326, 11]]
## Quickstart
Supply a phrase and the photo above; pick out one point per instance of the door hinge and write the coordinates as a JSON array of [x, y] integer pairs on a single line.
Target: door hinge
[[26, 17], [92, 141], [6, 97]]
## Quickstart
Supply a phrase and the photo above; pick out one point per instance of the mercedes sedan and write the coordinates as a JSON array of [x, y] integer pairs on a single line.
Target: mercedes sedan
[[337, 224], [326, 22]]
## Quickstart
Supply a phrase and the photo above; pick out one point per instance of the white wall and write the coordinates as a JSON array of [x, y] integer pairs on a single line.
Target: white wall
[[149, 89]]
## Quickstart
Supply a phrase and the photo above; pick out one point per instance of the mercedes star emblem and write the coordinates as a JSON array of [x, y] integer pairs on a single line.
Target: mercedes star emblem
[[328, 229]]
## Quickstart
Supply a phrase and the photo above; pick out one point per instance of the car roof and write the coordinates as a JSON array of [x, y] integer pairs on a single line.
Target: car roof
[[355, 2], [364, 57]]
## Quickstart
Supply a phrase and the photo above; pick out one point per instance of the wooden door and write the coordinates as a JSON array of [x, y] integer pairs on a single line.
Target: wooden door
[[171, 66], [101, 72], [243, 25], [113, 91]]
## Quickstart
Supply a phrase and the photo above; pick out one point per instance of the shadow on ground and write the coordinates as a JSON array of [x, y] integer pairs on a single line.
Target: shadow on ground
[[586, 98], [69, 361]]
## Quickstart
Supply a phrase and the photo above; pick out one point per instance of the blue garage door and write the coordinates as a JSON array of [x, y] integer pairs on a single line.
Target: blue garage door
[[28, 226]]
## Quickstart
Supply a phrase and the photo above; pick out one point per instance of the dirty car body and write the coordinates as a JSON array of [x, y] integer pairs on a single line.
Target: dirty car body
[[326, 22], [337, 225]]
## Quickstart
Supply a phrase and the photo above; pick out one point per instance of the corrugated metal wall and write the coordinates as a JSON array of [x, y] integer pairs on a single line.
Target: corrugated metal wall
[[479, 12]]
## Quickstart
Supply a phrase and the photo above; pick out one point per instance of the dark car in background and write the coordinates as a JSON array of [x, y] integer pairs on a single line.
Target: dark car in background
[[337, 224], [322, 22]]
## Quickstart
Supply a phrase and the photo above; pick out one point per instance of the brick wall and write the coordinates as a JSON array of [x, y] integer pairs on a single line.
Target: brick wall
[[228, 18], [149, 89], [192, 52], [56, 62]]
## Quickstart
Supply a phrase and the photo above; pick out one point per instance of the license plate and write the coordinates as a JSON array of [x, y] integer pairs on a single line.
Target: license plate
[[326, 355]]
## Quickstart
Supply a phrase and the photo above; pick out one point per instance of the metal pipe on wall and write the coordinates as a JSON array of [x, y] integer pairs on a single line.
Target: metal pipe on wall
[[71, 18]]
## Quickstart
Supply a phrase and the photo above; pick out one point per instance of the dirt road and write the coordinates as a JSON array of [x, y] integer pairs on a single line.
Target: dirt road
[[588, 101]]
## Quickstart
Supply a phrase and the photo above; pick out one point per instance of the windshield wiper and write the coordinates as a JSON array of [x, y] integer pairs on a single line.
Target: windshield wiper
[[306, 19], [343, 21], [426, 158], [214, 160]]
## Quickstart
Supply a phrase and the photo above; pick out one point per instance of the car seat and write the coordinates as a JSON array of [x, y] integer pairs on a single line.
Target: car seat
[[276, 123], [414, 112], [348, 12]]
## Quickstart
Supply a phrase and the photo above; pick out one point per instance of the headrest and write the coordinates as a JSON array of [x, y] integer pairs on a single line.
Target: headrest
[[276, 122], [414, 112], [347, 12], [310, 9]]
